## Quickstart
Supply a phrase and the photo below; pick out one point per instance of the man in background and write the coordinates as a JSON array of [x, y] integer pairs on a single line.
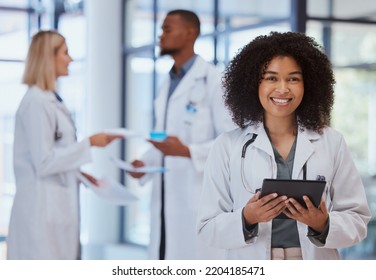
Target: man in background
[[190, 109]]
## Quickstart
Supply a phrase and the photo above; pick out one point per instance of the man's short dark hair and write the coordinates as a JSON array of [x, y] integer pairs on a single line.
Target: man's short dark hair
[[188, 16]]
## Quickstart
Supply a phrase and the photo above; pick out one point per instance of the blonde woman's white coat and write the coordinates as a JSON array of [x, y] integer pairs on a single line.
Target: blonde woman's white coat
[[44, 221]]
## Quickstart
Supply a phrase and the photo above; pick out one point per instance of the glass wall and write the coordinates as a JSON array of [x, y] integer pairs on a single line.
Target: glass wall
[[349, 38], [13, 46]]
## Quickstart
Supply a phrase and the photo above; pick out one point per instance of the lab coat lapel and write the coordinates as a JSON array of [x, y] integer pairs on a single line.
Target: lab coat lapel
[[304, 147], [262, 141], [304, 150], [195, 73], [61, 107], [50, 96]]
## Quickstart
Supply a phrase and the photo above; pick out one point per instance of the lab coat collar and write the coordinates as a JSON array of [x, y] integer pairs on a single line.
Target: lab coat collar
[[197, 72], [184, 69], [262, 141], [46, 94], [304, 150], [304, 146], [50, 96], [258, 129]]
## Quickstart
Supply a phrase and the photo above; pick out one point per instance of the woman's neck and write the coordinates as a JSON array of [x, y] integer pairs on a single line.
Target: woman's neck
[[282, 135], [281, 127]]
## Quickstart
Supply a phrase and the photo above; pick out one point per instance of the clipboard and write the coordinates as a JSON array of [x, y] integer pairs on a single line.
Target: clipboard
[[295, 189]]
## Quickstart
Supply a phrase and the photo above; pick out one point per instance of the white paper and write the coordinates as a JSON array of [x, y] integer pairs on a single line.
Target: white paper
[[127, 166], [124, 132], [110, 190]]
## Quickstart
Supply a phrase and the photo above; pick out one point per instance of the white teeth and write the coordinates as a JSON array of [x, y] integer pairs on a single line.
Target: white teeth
[[277, 100]]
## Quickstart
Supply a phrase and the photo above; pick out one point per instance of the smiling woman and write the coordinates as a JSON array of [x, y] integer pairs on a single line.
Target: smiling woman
[[316, 78], [278, 98], [281, 89]]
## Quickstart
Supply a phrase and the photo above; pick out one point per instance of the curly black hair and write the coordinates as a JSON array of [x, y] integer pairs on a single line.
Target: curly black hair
[[243, 75]]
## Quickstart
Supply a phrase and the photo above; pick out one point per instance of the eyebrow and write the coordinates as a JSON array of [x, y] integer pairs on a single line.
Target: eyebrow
[[275, 73]]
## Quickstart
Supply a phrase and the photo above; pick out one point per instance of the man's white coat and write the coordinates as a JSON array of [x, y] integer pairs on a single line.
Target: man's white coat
[[201, 88]]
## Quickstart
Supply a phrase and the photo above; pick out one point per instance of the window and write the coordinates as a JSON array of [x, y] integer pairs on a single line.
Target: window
[[13, 42], [353, 113]]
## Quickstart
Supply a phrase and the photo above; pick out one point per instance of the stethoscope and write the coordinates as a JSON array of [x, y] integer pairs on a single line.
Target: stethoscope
[[58, 134], [244, 151]]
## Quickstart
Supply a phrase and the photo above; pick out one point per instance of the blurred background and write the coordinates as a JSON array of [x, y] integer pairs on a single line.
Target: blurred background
[[116, 73]]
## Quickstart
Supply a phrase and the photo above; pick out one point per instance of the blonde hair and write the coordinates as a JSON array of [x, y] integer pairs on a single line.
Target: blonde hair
[[40, 60]]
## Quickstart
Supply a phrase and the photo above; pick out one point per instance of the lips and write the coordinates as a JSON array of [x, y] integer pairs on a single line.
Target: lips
[[281, 101]]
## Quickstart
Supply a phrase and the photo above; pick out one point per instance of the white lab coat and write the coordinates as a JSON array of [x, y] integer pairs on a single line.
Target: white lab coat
[[201, 86], [44, 221], [223, 198]]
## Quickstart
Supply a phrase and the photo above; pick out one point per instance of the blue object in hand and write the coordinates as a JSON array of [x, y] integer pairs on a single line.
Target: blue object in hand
[[158, 135]]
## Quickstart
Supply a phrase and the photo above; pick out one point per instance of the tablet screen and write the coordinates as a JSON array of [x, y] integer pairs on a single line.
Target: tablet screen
[[295, 189]]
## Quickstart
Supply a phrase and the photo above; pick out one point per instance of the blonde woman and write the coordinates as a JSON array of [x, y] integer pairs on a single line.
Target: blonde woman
[[45, 215]]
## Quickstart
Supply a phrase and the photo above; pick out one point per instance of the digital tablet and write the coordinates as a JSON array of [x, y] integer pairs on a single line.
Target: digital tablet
[[295, 189]]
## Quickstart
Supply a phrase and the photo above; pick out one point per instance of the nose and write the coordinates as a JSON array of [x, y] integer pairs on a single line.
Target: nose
[[282, 87]]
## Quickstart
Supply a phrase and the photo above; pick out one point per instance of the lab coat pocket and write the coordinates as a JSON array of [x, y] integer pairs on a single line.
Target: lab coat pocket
[[199, 125], [58, 205]]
